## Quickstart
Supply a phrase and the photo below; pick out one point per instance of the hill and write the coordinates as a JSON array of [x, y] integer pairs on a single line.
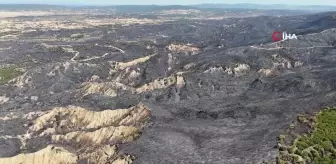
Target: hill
[[186, 87]]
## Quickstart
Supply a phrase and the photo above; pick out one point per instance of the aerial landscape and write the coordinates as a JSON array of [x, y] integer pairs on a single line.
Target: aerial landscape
[[178, 84]]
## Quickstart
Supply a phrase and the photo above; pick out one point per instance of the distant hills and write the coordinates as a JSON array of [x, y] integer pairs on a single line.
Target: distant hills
[[148, 8], [153, 8], [268, 7], [31, 7]]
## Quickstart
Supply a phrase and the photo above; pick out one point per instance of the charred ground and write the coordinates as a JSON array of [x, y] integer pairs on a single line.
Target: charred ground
[[202, 88]]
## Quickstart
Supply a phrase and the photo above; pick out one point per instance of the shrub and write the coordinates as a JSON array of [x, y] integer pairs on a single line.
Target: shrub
[[319, 147], [8, 73], [302, 119]]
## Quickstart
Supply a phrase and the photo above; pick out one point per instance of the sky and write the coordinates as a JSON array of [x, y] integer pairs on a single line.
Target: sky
[[167, 2]]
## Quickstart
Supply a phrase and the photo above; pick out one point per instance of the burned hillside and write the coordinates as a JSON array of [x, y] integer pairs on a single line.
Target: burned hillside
[[134, 90]]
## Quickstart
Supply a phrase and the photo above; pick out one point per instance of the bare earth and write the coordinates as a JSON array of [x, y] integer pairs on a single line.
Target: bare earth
[[171, 86]]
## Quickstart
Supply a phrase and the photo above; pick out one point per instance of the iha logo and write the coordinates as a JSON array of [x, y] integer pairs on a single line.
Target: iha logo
[[278, 36]]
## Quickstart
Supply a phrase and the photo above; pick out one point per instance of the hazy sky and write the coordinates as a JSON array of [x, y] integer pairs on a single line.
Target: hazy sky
[[165, 2]]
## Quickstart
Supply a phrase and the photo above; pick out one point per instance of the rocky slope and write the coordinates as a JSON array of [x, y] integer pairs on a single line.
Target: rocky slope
[[193, 91]]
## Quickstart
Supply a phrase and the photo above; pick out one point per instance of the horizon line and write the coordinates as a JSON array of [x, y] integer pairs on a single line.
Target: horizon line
[[74, 4]]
